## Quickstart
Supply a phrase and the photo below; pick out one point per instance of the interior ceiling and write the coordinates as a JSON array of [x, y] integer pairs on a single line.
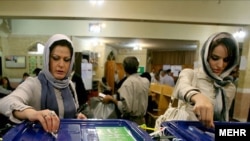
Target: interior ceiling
[[150, 44], [147, 12]]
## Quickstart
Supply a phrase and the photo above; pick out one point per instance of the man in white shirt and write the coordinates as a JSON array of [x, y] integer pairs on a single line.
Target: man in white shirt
[[167, 79]]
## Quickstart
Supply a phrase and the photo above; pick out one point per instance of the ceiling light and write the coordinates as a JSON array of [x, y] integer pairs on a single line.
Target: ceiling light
[[137, 47], [240, 34], [95, 27], [96, 2]]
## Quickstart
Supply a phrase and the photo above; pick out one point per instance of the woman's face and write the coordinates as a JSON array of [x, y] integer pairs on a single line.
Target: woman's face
[[59, 61], [218, 59]]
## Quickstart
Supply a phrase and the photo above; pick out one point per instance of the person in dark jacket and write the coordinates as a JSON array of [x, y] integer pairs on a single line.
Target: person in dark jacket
[[36, 71], [80, 88]]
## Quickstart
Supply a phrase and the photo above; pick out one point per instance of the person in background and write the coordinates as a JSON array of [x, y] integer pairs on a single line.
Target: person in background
[[146, 75], [133, 93], [5, 123], [36, 71], [25, 76], [156, 78], [50, 96], [166, 79], [161, 74], [82, 94], [119, 85], [116, 79], [151, 103], [105, 88], [152, 73], [211, 94], [6, 83], [3, 91], [121, 82]]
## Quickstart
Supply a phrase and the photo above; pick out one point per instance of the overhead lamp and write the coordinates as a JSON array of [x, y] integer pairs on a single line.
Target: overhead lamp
[[96, 27], [240, 34], [137, 47], [96, 2]]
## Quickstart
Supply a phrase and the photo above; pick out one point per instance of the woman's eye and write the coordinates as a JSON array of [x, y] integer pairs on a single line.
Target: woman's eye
[[215, 58], [55, 57], [67, 59]]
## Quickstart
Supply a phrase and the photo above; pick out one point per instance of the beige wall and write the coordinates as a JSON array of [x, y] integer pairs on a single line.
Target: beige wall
[[17, 45], [242, 99]]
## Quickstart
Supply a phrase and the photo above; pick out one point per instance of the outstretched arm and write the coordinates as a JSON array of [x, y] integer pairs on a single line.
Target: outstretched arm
[[48, 119]]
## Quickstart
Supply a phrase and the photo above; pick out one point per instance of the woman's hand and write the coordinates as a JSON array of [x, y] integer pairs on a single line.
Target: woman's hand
[[48, 119], [203, 109]]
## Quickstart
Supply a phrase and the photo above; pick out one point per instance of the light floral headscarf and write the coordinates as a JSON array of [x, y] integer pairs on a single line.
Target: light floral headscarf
[[56, 83]]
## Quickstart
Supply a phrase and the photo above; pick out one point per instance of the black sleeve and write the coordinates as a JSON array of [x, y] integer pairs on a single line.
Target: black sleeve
[[82, 94]]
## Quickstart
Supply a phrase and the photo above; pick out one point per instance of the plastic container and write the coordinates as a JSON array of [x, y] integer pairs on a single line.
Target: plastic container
[[188, 131], [195, 131], [80, 130]]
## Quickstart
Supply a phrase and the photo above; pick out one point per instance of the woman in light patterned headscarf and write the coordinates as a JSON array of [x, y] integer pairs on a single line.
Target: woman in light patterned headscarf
[[208, 89], [49, 96]]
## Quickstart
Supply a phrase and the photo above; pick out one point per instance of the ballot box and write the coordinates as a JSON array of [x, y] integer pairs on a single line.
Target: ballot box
[[80, 130], [195, 131]]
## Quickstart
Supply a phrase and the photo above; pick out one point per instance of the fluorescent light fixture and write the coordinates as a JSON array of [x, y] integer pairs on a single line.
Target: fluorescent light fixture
[[95, 27], [137, 47], [96, 2], [240, 34]]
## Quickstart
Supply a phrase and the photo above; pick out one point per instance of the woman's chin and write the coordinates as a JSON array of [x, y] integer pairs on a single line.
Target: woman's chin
[[217, 73], [59, 77]]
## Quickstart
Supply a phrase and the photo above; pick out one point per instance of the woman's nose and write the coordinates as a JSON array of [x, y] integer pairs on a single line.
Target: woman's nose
[[220, 63], [61, 62]]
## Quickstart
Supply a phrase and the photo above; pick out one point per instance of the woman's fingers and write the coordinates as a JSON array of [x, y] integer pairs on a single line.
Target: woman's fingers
[[204, 113], [55, 122], [50, 121]]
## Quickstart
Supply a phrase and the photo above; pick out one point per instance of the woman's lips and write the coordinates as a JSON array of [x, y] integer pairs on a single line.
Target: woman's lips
[[60, 72], [217, 71]]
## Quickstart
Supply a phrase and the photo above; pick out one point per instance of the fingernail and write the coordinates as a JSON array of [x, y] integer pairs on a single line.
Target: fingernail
[[54, 134]]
